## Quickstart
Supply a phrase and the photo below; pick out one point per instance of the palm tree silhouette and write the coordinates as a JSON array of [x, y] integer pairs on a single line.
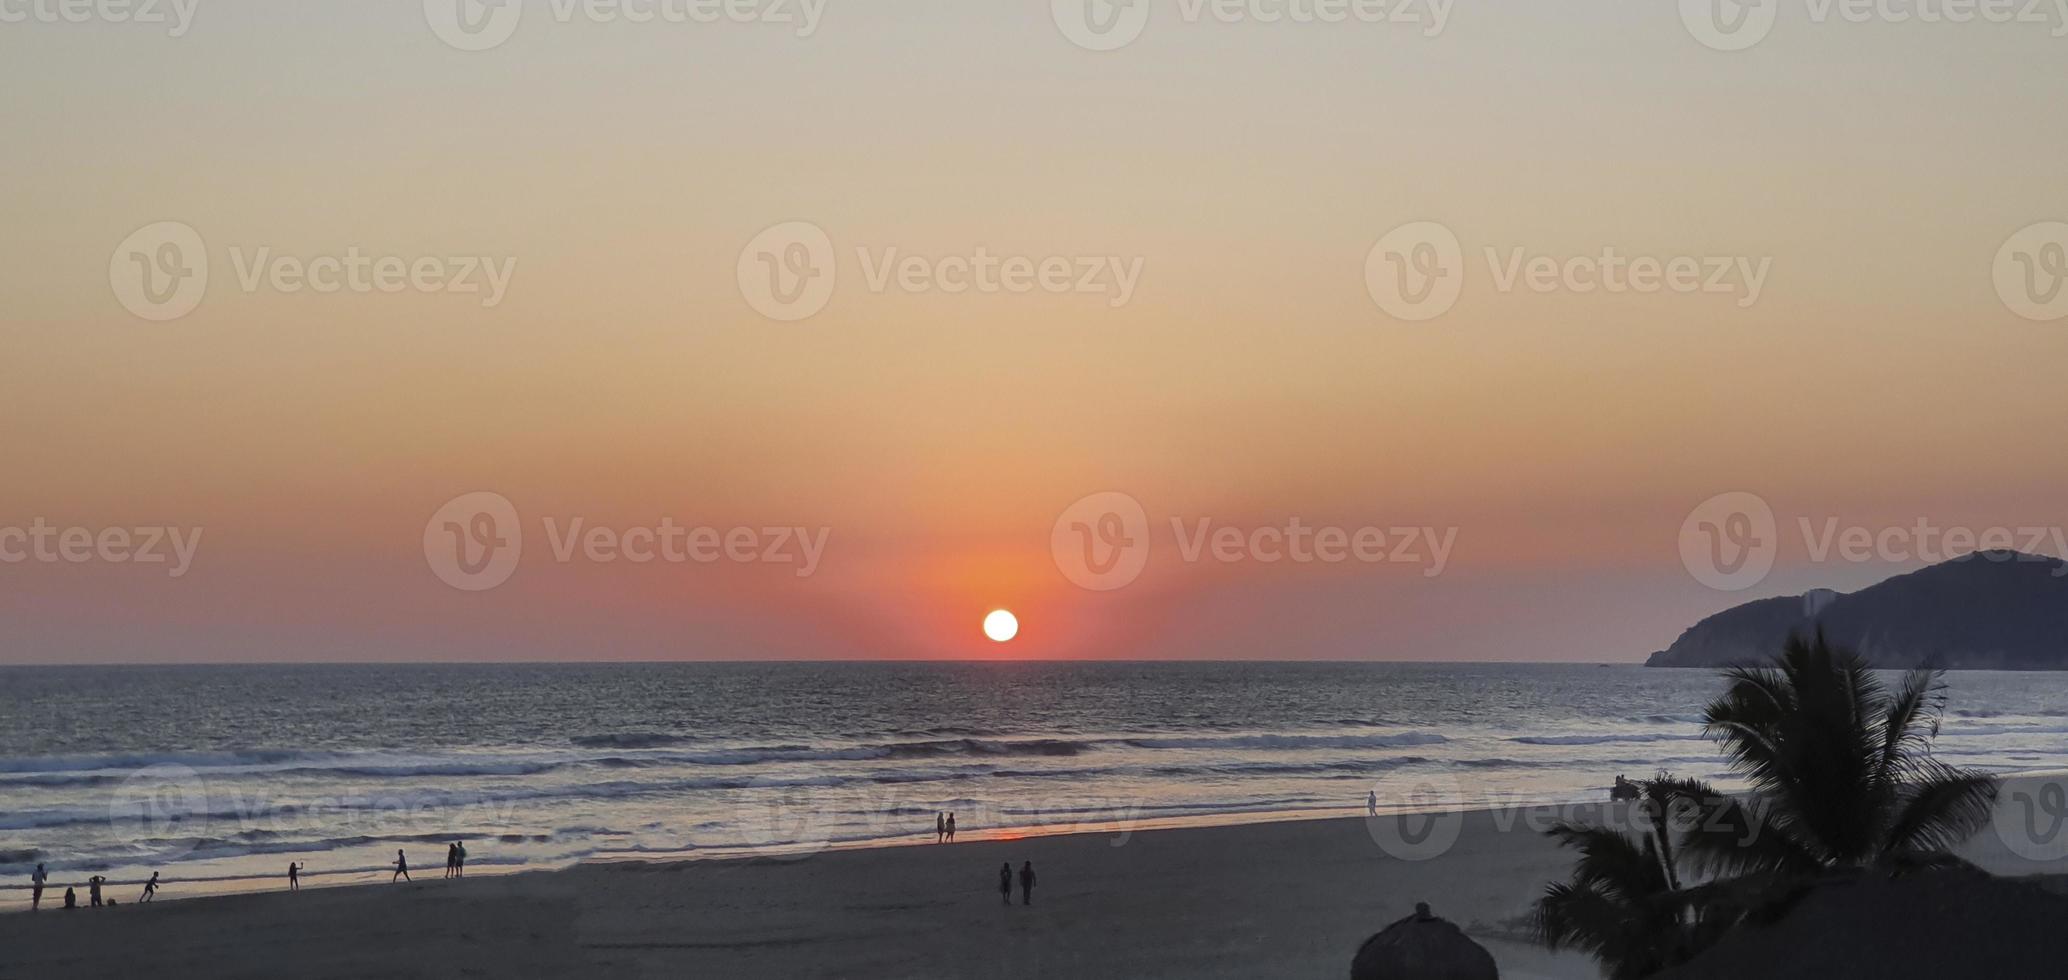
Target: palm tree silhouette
[[1842, 781], [1840, 768]]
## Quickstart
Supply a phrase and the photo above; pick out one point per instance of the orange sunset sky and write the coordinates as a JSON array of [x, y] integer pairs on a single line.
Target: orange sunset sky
[[1249, 380]]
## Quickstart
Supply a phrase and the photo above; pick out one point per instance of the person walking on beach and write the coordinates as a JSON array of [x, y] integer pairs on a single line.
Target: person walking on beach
[[294, 877], [951, 828], [401, 868], [452, 858], [1027, 883], [1005, 882], [459, 859], [150, 889], [93, 890], [1371, 803], [36, 880], [940, 827]]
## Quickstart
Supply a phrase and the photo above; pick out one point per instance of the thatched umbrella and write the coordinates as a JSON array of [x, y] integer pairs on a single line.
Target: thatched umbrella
[[1423, 947]]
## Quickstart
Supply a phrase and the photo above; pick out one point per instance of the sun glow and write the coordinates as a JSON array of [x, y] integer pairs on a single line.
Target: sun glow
[[1001, 626]]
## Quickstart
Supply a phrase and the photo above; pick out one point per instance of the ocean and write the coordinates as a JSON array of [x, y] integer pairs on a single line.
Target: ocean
[[219, 777]]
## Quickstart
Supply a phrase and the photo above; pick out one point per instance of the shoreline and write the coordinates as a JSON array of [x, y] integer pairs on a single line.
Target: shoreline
[[1530, 813], [1275, 897]]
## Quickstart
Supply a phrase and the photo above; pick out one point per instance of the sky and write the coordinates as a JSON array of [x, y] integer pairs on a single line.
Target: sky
[[927, 308]]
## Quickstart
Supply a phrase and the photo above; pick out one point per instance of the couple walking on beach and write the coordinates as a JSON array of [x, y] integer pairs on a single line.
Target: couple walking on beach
[[944, 828], [456, 860], [1026, 883]]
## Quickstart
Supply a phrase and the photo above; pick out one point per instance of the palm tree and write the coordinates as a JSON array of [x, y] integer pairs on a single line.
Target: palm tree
[[1840, 768], [1842, 779], [1626, 904]]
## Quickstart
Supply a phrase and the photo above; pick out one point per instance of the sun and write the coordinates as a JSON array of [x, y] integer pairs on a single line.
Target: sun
[[1001, 626]]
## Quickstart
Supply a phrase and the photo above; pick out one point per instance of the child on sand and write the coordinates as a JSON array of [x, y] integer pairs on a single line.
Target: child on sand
[[150, 889], [294, 877], [401, 869], [36, 881]]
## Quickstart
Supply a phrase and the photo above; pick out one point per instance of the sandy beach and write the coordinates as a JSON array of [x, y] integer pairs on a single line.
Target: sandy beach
[[1290, 899], [1287, 899]]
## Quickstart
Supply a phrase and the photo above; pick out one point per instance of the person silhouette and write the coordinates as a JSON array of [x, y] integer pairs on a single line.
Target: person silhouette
[[951, 828], [1005, 882], [71, 899], [1371, 803], [401, 868], [1027, 883], [294, 877], [459, 859], [452, 858], [93, 890], [36, 880], [150, 889], [940, 827]]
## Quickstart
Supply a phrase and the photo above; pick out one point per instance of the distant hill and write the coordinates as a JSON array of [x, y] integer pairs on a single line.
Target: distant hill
[[1991, 610]]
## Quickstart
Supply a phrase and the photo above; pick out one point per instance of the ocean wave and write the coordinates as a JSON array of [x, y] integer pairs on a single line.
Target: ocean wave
[[1293, 742], [1985, 730], [630, 740], [139, 760], [1603, 739]]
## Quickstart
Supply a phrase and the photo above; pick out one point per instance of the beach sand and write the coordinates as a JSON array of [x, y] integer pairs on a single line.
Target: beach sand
[[1287, 899]]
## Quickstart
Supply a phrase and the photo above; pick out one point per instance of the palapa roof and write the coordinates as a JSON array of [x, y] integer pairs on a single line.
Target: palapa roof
[[1423, 947]]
